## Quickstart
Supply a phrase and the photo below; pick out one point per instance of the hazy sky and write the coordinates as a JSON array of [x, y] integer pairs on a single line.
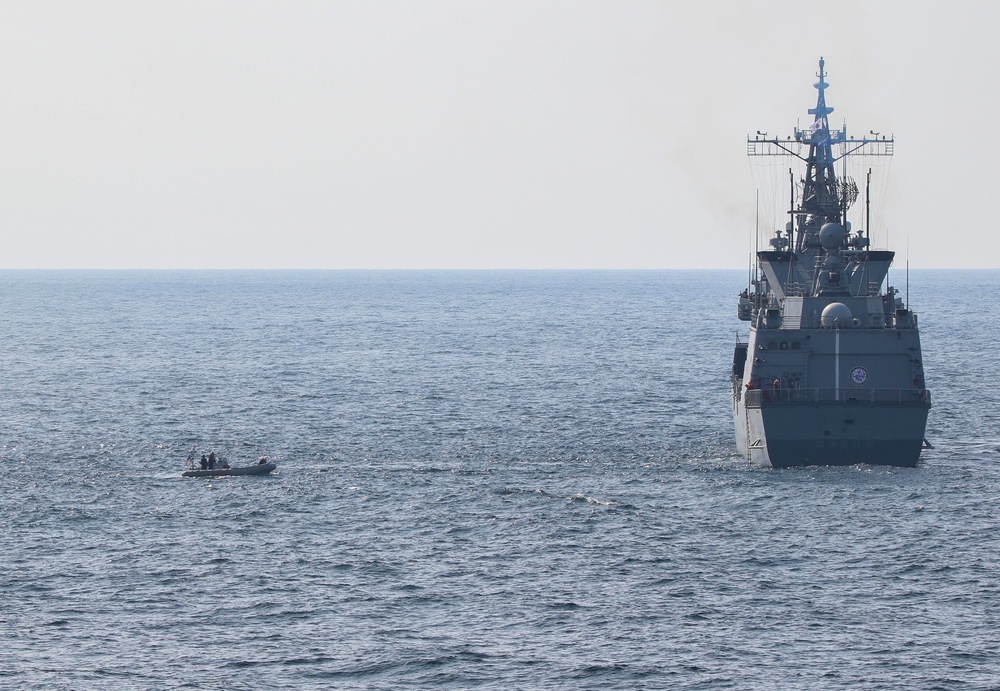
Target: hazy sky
[[461, 134]]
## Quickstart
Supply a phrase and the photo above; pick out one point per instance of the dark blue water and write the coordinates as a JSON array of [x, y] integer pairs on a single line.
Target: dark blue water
[[495, 480]]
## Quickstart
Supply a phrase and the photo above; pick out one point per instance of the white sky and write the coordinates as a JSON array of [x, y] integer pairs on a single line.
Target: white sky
[[461, 134]]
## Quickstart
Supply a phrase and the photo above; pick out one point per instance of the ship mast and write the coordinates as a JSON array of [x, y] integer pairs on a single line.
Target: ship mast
[[819, 247], [820, 201]]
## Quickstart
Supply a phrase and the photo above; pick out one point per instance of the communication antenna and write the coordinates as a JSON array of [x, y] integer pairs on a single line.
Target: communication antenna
[[907, 272], [756, 253], [756, 235], [868, 232]]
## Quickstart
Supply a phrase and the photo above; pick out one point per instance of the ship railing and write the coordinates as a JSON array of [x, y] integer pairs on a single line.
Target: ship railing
[[901, 397]]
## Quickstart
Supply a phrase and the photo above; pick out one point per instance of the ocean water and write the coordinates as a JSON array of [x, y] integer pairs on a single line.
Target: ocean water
[[504, 480]]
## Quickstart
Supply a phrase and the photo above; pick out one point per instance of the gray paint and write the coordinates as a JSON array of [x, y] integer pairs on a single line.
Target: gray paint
[[832, 373]]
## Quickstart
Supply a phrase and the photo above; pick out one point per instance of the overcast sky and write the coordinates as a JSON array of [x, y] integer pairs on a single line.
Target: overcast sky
[[460, 134]]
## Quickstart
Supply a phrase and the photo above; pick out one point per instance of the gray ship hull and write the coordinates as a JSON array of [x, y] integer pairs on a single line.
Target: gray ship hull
[[783, 435]]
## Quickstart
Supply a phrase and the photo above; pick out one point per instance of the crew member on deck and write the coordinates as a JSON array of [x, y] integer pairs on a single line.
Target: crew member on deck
[[211, 460], [204, 462]]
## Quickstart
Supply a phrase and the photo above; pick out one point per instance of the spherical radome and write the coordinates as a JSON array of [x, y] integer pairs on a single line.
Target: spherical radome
[[836, 314], [832, 236]]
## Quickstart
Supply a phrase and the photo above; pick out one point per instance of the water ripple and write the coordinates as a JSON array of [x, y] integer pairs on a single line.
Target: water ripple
[[486, 480]]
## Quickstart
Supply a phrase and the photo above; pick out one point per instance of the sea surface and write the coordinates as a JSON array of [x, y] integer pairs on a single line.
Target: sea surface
[[498, 480]]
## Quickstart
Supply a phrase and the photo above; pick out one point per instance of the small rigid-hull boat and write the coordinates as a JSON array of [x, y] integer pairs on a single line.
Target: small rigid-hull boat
[[258, 469]]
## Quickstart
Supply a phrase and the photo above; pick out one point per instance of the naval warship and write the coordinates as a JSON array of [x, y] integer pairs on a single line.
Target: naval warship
[[831, 373]]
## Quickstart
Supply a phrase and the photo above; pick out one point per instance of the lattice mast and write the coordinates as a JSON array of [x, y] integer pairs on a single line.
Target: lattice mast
[[824, 198]]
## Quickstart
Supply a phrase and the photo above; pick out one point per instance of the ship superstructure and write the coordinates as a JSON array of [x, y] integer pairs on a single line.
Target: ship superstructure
[[832, 372]]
